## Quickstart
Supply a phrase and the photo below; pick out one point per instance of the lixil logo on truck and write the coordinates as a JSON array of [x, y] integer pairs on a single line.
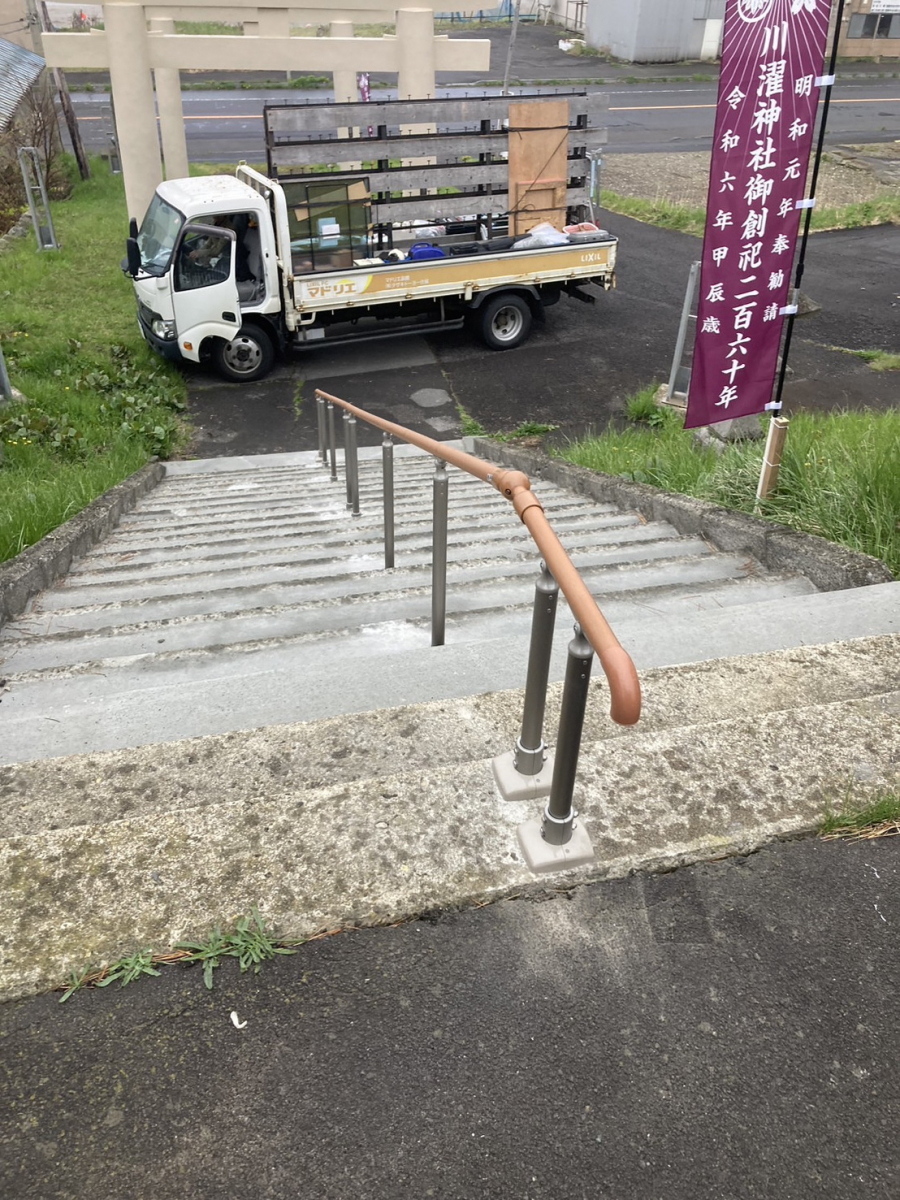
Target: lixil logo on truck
[[333, 289]]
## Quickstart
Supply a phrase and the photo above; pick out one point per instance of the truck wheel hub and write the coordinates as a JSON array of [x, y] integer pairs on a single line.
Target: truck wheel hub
[[242, 354]]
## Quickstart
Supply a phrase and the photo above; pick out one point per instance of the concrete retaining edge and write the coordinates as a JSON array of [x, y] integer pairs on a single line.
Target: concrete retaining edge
[[41, 565], [830, 567]]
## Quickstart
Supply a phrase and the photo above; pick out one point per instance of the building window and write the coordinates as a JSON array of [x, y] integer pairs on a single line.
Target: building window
[[873, 25]]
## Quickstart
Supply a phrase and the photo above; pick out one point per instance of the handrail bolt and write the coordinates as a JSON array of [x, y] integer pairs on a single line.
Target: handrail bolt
[[525, 772], [556, 842]]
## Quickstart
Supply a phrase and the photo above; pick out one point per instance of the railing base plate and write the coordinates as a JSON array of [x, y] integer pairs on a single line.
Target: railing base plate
[[515, 786], [541, 856]]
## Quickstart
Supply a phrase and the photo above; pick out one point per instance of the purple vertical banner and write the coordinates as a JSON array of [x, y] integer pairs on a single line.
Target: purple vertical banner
[[772, 57]]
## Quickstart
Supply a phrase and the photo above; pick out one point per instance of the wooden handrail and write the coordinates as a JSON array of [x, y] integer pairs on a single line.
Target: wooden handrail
[[624, 686]]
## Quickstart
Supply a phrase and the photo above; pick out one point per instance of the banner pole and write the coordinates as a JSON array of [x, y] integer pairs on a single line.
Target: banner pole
[[801, 258], [771, 464]]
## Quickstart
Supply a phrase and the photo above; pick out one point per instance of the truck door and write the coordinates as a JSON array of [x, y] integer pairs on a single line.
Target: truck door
[[204, 289]]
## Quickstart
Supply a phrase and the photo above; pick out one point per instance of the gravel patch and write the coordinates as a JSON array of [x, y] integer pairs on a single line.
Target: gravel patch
[[848, 174]]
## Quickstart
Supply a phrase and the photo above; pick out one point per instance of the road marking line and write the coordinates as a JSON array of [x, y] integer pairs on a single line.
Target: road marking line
[[620, 108]]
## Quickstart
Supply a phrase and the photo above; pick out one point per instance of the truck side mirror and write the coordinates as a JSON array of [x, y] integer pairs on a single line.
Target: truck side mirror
[[134, 257], [133, 227]]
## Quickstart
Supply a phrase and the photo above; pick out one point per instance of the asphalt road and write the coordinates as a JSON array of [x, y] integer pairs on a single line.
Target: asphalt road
[[227, 126], [723, 1032], [577, 370]]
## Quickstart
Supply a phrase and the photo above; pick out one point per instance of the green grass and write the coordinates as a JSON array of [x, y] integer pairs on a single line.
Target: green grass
[[839, 476], [642, 407], [876, 817], [470, 427], [878, 360], [208, 28], [691, 219], [664, 213], [99, 402], [528, 429]]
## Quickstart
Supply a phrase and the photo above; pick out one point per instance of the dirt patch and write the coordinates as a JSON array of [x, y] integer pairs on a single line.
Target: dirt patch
[[848, 175]]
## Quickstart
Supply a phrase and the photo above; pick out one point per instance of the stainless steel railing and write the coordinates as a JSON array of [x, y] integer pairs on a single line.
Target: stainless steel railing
[[525, 774]]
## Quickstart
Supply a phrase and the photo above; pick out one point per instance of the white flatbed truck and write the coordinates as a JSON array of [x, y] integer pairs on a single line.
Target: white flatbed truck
[[236, 269]]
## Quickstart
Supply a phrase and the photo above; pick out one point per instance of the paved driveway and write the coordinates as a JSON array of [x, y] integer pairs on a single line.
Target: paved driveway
[[578, 368]]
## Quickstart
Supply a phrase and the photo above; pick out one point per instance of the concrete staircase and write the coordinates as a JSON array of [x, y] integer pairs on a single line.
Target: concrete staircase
[[240, 596], [241, 593]]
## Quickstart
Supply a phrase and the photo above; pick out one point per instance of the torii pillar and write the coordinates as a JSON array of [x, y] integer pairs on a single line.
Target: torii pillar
[[132, 90]]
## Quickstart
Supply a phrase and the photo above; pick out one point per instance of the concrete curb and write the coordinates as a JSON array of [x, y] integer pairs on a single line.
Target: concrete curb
[[377, 850], [829, 566], [41, 565]]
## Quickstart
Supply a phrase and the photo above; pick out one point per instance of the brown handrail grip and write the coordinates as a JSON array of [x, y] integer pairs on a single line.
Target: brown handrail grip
[[624, 685]]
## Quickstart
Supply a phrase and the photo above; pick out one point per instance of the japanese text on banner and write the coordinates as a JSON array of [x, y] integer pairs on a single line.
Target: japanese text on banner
[[768, 92]]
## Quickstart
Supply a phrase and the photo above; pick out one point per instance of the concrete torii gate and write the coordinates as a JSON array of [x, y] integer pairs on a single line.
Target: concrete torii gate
[[131, 51]]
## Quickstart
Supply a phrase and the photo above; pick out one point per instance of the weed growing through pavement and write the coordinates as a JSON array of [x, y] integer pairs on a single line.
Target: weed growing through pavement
[[250, 942], [470, 427], [854, 821], [528, 429], [127, 970]]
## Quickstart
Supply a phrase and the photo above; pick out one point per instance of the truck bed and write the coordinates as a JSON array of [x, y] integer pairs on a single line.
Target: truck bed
[[462, 276]]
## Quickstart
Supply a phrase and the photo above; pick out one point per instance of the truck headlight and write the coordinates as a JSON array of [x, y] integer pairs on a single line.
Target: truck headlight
[[163, 329]]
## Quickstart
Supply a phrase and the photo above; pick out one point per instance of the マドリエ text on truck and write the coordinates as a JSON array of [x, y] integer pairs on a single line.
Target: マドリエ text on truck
[[409, 231]]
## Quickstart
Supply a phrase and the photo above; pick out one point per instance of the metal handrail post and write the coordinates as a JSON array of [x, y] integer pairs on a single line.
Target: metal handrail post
[[526, 772], [320, 419], [441, 490], [332, 441], [556, 841], [387, 487], [530, 751], [348, 485], [559, 816], [351, 459]]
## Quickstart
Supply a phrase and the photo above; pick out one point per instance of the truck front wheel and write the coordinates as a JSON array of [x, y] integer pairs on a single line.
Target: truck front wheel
[[505, 321], [248, 356]]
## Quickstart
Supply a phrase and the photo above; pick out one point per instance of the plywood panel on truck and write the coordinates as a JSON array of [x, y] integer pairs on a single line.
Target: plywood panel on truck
[[538, 150]]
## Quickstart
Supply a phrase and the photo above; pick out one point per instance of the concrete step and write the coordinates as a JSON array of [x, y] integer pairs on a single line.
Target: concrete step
[[290, 759], [145, 701], [107, 853], [475, 588], [320, 524], [364, 573], [68, 653], [247, 553]]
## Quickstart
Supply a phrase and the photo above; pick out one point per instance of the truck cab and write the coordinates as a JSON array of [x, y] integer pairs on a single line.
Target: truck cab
[[206, 278]]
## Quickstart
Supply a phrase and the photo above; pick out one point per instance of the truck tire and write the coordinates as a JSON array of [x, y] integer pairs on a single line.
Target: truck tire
[[248, 356], [504, 321]]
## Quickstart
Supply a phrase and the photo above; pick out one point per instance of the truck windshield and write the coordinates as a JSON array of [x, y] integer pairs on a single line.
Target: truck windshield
[[157, 236]]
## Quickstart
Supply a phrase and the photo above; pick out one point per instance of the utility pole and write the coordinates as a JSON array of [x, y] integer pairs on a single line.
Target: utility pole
[[35, 27], [509, 48], [62, 89]]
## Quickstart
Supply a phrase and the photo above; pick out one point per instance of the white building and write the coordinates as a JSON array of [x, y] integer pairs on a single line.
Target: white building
[[656, 30]]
